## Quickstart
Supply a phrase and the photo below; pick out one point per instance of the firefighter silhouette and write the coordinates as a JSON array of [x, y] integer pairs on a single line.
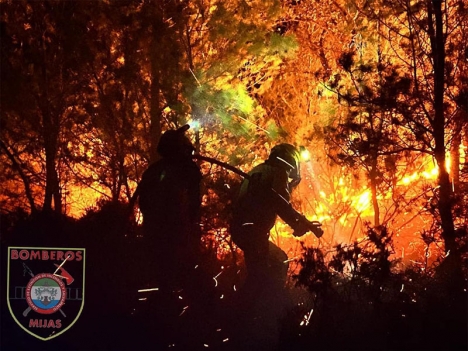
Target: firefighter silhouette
[[263, 196], [169, 200]]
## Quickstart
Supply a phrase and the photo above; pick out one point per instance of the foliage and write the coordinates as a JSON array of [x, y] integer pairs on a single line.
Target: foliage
[[365, 262], [367, 138], [228, 73]]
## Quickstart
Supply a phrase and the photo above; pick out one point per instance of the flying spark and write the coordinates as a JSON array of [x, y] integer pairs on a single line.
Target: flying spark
[[149, 289], [255, 125], [216, 276], [183, 310], [306, 319]]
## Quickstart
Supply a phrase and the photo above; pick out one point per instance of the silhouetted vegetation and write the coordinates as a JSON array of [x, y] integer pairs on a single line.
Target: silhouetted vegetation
[[366, 300], [355, 297]]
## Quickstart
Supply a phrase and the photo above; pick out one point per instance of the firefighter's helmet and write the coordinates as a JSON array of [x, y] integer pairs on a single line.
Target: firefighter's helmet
[[174, 143], [289, 157]]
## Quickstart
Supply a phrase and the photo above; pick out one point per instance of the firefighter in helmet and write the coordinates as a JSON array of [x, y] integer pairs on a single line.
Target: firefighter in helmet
[[263, 196], [169, 200]]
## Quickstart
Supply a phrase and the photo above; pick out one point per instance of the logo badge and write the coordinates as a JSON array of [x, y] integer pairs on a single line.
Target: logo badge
[[45, 288]]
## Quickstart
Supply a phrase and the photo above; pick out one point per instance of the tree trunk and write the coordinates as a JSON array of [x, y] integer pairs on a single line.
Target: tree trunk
[[52, 188], [50, 133], [50, 138], [438, 123]]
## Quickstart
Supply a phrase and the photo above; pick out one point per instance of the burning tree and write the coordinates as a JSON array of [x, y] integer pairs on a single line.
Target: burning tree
[[423, 36], [40, 88]]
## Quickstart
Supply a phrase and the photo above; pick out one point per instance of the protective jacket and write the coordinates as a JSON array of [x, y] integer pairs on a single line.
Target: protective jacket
[[263, 196], [170, 196]]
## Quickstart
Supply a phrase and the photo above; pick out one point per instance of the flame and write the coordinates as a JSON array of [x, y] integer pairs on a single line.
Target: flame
[[362, 202]]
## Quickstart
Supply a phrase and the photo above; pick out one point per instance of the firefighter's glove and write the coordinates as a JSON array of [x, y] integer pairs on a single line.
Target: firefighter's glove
[[316, 228], [301, 227]]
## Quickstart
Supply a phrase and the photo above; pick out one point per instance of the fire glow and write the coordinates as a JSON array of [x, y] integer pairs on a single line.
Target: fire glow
[[340, 203]]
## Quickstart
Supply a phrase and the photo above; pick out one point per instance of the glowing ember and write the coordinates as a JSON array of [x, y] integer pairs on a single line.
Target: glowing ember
[[149, 289], [306, 320]]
